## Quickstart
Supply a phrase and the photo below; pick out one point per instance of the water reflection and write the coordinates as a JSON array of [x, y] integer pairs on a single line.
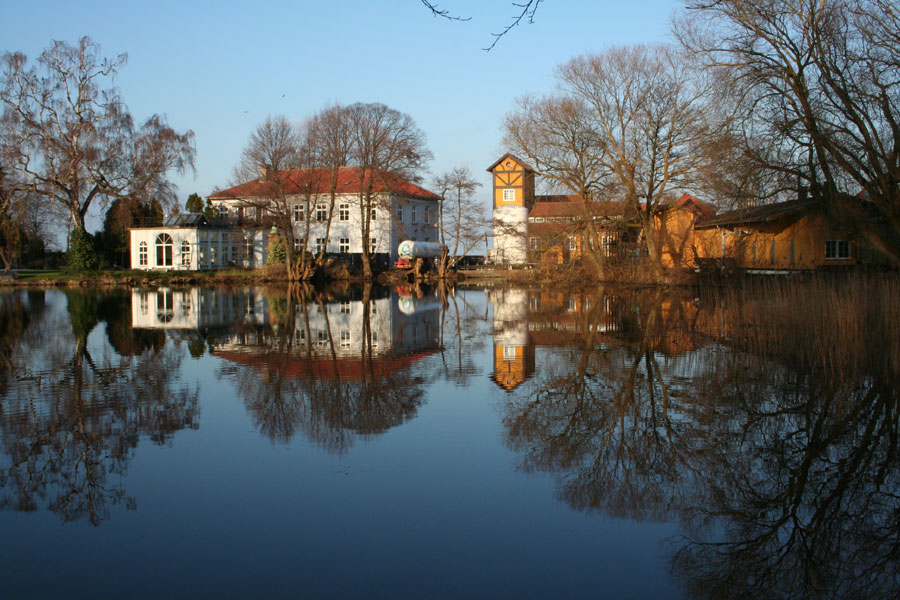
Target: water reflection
[[331, 364], [71, 416], [764, 420]]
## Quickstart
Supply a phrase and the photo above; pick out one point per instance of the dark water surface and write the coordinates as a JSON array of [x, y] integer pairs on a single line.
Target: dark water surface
[[501, 443]]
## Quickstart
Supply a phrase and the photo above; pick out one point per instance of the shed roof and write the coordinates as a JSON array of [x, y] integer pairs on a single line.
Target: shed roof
[[758, 214]]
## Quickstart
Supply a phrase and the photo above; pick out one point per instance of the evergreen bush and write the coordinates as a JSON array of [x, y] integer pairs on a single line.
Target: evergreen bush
[[81, 255]]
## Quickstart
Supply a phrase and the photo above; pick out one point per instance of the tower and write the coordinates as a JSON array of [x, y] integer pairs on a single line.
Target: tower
[[513, 193]]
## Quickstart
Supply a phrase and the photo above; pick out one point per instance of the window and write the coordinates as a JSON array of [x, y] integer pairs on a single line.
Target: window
[[509, 195], [534, 243], [321, 212], [400, 213], [345, 307], [145, 301], [373, 244], [427, 215], [509, 353], [573, 243], [772, 253], [837, 249], [299, 214], [372, 214], [320, 243], [248, 250], [164, 250], [413, 218], [185, 253], [142, 254], [345, 338], [344, 212], [322, 338], [344, 245], [165, 306]]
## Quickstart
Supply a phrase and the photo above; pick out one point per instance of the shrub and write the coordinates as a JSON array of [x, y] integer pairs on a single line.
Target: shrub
[[81, 255], [277, 253]]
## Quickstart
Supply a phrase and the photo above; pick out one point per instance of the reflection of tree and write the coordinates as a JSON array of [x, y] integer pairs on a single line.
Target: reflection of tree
[[777, 450], [292, 387], [70, 422], [606, 418], [803, 500], [467, 334], [801, 489]]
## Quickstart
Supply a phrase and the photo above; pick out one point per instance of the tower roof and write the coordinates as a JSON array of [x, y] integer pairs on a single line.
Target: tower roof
[[525, 165]]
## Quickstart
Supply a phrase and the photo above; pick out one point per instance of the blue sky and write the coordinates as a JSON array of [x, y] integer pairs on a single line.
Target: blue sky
[[220, 68]]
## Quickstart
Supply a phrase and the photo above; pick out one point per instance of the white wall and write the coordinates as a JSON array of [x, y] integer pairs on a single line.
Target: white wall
[[210, 248], [387, 229]]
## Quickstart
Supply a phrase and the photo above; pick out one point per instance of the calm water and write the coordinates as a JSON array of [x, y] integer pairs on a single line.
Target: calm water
[[500, 443]]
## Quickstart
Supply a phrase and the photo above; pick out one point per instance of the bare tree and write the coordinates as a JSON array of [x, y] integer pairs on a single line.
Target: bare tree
[[625, 123], [387, 144], [461, 218], [555, 134], [331, 144], [817, 82], [79, 140], [273, 152], [647, 113], [527, 14]]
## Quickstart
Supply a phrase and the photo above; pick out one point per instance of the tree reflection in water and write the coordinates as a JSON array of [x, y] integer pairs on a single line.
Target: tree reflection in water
[[70, 420], [332, 365], [764, 420]]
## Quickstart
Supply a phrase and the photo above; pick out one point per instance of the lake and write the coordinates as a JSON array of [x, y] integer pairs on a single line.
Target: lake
[[498, 443]]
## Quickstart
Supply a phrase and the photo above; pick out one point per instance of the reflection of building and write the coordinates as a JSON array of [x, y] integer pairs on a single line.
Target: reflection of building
[[326, 338], [513, 350], [526, 319], [195, 308]]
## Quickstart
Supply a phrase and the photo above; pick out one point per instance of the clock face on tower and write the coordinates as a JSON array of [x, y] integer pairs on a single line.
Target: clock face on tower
[[508, 164]]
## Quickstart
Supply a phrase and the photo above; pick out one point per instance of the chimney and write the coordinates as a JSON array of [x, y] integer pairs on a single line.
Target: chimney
[[265, 173]]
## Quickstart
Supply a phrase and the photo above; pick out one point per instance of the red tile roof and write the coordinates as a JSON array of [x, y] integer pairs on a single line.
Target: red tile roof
[[317, 181]]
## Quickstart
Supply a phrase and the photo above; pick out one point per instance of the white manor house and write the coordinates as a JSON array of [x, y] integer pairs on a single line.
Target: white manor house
[[400, 210]]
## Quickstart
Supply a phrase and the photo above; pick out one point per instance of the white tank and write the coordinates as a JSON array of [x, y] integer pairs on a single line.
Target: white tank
[[413, 249], [511, 235]]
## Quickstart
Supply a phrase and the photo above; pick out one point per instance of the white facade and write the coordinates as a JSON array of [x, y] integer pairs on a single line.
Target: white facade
[[510, 235], [196, 248], [396, 218]]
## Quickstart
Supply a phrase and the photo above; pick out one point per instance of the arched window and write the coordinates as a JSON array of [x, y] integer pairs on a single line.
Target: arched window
[[164, 250], [142, 254], [186, 253]]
